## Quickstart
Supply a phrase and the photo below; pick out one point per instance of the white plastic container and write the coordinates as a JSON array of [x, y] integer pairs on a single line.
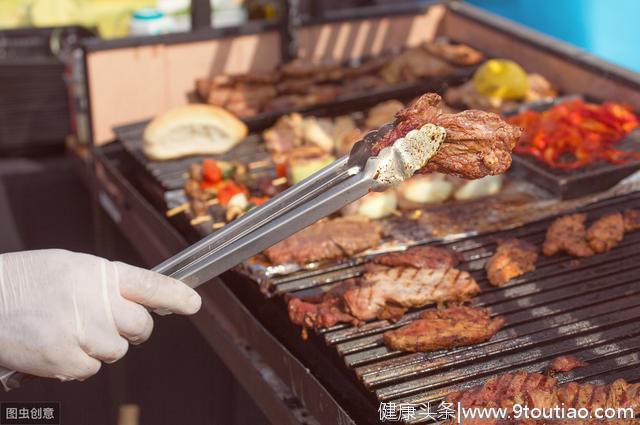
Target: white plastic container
[[150, 21], [227, 13]]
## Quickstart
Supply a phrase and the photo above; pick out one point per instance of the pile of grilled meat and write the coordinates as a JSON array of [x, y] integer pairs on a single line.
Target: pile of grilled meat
[[300, 84], [542, 391]]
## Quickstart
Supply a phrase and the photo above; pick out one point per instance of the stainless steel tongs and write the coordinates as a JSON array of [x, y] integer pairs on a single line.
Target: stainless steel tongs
[[344, 181]]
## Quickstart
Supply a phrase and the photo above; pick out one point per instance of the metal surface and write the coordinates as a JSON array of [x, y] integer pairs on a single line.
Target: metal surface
[[588, 308]]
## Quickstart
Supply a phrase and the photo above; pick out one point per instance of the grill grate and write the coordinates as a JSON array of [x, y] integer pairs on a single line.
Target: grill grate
[[588, 307]]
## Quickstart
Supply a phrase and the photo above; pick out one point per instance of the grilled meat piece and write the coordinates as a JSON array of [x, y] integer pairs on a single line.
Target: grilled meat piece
[[457, 54], [568, 234], [540, 391], [566, 364], [413, 64], [513, 258], [631, 220], [326, 240], [477, 144], [429, 257], [606, 232], [437, 329], [386, 292], [329, 311], [285, 135]]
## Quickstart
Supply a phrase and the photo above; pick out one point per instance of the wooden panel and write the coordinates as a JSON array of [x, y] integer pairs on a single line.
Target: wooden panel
[[135, 83], [565, 74], [354, 39]]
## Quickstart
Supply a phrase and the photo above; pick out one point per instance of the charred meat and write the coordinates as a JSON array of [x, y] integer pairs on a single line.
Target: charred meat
[[477, 143], [541, 391], [387, 292], [513, 258], [606, 232], [327, 240], [566, 364], [457, 54], [568, 234], [326, 312], [419, 257], [438, 329]]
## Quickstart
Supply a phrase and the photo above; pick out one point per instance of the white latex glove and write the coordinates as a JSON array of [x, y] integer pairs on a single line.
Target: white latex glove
[[62, 313]]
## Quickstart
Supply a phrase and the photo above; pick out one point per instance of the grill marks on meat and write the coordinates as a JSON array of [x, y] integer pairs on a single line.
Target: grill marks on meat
[[326, 240], [513, 258], [387, 292], [449, 328], [568, 234], [540, 391], [420, 257], [606, 232], [566, 364], [477, 144]]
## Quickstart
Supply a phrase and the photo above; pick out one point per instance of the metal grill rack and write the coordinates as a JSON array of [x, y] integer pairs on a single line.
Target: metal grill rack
[[588, 308]]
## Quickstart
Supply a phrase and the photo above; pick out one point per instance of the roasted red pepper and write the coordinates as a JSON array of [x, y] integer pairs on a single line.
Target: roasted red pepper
[[258, 200], [211, 172], [576, 133], [227, 190]]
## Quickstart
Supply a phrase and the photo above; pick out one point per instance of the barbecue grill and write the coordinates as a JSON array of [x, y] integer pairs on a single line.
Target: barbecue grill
[[588, 307]]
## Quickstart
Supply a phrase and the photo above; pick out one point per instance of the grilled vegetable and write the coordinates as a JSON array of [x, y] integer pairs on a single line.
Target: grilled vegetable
[[576, 133]]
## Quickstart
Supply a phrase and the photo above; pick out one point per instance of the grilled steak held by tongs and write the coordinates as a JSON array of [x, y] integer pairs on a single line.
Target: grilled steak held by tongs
[[477, 144]]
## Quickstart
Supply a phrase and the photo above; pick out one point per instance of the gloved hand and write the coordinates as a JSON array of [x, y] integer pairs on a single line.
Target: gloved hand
[[62, 313]]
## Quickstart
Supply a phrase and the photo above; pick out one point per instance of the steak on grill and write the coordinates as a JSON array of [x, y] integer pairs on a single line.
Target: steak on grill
[[513, 258], [430, 257], [477, 144], [568, 234], [387, 292], [606, 232], [448, 328], [327, 240]]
